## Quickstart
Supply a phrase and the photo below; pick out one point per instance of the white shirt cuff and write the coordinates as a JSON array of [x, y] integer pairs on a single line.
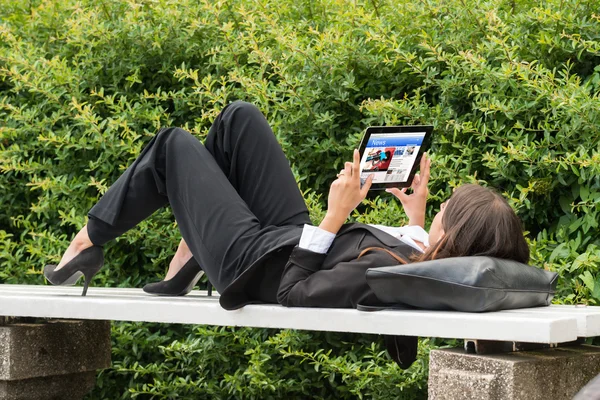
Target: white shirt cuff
[[316, 239]]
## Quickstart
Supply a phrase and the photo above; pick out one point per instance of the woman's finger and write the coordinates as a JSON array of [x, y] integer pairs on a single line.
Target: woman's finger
[[416, 181], [356, 164], [393, 191], [425, 167], [423, 163], [399, 193], [366, 186], [348, 169]]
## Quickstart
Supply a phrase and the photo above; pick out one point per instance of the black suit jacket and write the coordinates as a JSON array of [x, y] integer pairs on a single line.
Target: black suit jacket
[[338, 278], [297, 277]]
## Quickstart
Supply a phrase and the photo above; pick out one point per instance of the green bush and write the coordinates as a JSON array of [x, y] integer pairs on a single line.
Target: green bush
[[224, 363], [512, 87]]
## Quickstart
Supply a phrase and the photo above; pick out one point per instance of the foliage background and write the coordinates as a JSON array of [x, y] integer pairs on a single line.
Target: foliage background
[[511, 86]]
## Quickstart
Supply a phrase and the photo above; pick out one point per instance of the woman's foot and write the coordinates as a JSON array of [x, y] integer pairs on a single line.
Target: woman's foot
[[81, 258], [184, 272], [80, 242], [181, 257]]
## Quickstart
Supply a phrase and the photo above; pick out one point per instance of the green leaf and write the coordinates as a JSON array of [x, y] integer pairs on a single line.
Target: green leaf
[[584, 193], [588, 280]]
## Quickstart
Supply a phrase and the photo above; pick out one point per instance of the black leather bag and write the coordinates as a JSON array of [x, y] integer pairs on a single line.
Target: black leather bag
[[472, 284]]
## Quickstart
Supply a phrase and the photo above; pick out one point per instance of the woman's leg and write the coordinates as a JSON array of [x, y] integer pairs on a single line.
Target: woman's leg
[[217, 225], [107, 220], [246, 149], [216, 222]]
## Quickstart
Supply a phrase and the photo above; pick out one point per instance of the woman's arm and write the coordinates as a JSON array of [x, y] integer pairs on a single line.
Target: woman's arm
[[303, 282], [344, 195], [414, 204]]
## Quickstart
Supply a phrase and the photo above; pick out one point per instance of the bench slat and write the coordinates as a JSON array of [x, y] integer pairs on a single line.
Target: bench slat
[[128, 304], [588, 317]]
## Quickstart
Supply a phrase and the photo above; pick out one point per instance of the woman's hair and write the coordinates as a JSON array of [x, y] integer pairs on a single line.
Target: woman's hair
[[477, 221]]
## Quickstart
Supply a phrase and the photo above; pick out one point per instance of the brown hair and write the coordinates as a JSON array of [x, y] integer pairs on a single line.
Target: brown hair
[[477, 221]]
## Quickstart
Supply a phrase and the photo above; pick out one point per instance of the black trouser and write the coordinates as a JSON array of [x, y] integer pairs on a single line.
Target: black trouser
[[234, 197]]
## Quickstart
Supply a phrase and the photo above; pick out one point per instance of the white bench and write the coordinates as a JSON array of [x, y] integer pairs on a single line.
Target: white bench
[[549, 325]]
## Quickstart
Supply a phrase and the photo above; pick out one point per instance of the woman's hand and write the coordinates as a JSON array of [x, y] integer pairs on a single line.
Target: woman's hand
[[414, 204], [344, 195]]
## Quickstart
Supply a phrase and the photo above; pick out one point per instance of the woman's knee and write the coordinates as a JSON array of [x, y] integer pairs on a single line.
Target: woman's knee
[[174, 137], [174, 133], [241, 110], [237, 121]]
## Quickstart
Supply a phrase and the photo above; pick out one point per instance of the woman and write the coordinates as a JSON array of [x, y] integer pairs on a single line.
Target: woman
[[244, 222]]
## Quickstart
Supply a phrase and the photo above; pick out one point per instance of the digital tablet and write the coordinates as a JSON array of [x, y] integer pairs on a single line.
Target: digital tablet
[[392, 154]]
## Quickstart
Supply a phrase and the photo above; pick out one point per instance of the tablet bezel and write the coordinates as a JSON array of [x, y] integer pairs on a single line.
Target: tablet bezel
[[425, 145]]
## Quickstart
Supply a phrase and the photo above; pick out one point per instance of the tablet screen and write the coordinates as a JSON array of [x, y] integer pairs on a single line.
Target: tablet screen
[[390, 157]]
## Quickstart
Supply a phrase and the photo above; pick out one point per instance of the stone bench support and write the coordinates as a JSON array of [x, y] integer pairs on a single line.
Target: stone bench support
[[56, 359], [549, 374]]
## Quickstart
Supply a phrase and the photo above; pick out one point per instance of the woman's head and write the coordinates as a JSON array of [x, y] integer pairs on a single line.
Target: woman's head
[[476, 221]]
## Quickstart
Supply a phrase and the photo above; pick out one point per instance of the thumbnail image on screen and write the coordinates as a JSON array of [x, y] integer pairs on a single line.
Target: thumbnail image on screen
[[390, 157]]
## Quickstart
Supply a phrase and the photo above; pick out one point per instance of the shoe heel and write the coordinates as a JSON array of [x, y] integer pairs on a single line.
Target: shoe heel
[[85, 286], [88, 275]]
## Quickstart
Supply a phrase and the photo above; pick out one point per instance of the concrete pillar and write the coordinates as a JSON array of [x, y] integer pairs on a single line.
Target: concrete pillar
[[549, 374], [51, 360]]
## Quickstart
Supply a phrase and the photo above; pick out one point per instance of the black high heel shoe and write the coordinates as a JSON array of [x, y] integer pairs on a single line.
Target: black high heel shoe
[[181, 284], [86, 264]]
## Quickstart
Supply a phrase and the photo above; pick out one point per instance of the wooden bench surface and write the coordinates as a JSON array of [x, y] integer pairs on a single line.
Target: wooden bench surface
[[554, 324]]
